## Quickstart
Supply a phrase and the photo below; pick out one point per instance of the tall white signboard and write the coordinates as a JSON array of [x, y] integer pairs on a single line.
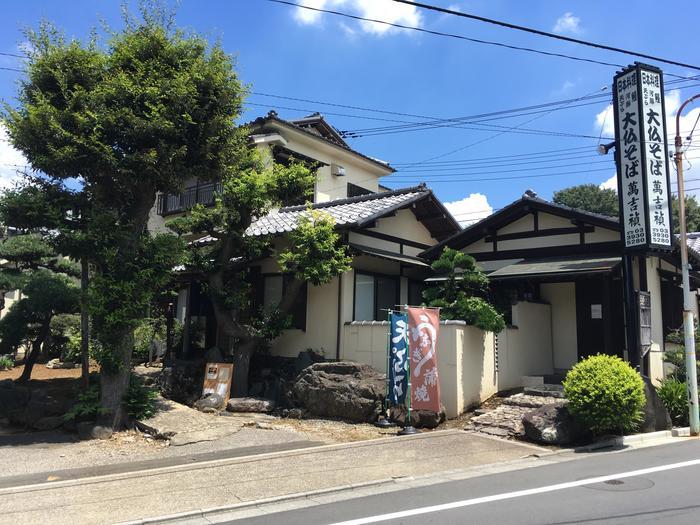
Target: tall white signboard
[[643, 176]]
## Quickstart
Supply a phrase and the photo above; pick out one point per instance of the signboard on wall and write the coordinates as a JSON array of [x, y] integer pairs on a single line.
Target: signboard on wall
[[643, 165]]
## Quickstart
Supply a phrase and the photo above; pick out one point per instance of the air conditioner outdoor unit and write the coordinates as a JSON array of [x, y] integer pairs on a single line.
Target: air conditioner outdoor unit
[[337, 170]]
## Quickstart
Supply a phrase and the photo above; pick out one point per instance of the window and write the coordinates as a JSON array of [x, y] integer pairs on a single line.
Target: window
[[273, 287], [374, 295], [356, 191]]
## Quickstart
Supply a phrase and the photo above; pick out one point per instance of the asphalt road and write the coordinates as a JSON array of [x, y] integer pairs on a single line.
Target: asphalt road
[[649, 485]]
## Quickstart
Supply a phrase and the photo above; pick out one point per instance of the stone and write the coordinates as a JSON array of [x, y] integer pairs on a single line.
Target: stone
[[553, 424], [13, 398], [209, 401], [182, 381], [419, 418], [57, 363], [89, 430], [48, 423], [295, 413], [250, 404], [344, 390], [656, 416]]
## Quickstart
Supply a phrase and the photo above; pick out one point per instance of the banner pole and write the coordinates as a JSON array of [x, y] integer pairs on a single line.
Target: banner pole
[[408, 429], [385, 422]]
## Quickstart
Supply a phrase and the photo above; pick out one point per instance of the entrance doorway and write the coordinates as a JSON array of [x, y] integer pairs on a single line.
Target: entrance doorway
[[599, 316]]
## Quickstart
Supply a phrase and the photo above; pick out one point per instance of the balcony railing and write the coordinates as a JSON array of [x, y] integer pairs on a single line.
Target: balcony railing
[[180, 202]]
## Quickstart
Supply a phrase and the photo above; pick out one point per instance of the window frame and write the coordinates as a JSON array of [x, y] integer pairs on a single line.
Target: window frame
[[397, 287]]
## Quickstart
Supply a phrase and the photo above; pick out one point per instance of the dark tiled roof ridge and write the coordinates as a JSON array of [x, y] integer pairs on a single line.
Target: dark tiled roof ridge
[[421, 188]]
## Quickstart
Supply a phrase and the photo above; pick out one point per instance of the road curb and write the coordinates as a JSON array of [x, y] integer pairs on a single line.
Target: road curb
[[635, 439], [203, 513]]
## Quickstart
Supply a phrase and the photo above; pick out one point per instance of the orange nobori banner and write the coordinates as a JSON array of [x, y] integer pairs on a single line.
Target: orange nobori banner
[[423, 326]]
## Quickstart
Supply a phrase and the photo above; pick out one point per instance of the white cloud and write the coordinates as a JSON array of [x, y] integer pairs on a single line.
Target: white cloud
[[11, 160], [470, 209], [309, 16], [606, 120], [568, 23], [384, 10], [610, 184]]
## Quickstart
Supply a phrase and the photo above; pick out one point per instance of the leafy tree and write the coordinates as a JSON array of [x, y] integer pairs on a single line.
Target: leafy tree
[[463, 293], [32, 267], [592, 198], [142, 113], [312, 253], [589, 197], [692, 213]]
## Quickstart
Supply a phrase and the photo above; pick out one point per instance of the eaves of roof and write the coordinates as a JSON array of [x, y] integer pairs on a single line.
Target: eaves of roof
[[513, 211], [261, 121]]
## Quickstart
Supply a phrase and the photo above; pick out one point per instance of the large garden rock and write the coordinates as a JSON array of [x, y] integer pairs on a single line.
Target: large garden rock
[[344, 390], [419, 418], [656, 416], [210, 402], [552, 424], [250, 404], [13, 398], [182, 381]]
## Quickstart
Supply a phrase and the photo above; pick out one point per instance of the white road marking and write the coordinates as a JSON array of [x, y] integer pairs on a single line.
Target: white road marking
[[516, 494]]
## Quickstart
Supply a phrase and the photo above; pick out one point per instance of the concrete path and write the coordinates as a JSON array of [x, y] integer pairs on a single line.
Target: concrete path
[[171, 489]]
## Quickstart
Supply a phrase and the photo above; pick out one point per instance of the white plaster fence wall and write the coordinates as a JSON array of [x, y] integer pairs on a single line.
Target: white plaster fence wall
[[467, 355], [466, 359]]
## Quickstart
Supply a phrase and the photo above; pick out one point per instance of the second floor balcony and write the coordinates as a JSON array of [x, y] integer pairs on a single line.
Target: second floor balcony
[[201, 193]]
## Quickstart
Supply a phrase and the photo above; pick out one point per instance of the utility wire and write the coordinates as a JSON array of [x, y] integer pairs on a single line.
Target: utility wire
[[450, 35], [546, 34]]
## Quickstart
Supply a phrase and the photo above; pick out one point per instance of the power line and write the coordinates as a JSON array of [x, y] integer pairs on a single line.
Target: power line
[[12, 55], [450, 35], [499, 179], [418, 126], [407, 174], [12, 69], [546, 34]]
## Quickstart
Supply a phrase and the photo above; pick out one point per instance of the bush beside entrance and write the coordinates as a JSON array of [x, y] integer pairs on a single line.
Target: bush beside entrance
[[606, 394]]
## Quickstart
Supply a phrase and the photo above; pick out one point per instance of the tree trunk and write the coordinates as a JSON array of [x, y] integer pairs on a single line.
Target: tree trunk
[[31, 358], [84, 325], [115, 380]]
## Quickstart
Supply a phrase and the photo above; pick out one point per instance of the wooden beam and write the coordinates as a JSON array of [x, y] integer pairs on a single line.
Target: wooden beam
[[539, 233]]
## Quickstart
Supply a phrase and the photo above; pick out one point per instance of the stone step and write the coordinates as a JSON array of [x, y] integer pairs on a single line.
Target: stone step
[[556, 391], [527, 401]]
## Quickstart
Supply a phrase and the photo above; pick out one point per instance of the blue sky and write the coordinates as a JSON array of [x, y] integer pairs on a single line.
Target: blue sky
[[286, 51]]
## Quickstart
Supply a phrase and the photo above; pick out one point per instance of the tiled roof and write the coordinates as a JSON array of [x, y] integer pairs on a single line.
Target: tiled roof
[[693, 242], [345, 212]]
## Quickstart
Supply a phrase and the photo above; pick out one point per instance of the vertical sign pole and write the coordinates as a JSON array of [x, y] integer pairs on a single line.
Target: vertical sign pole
[[633, 354], [408, 428], [688, 323]]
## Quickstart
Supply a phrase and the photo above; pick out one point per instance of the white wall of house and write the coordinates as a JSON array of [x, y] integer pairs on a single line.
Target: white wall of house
[[527, 349], [562, 298], [656, 361], [358, 171], [465, 355]]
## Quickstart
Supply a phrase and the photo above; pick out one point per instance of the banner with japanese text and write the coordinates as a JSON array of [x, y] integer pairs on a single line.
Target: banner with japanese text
[[398, 358], [423, 326]]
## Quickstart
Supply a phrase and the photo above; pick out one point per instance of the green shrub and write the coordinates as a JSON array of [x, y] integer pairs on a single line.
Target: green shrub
[[6, 362], [140, 400], [606, 394], [463, 294], [87, 405], [674, 394], [151, 332]]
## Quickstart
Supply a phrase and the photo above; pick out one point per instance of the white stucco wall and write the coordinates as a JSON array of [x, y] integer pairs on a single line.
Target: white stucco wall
[[562, 298], [527, 349], [656, 358], [465, 359]]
